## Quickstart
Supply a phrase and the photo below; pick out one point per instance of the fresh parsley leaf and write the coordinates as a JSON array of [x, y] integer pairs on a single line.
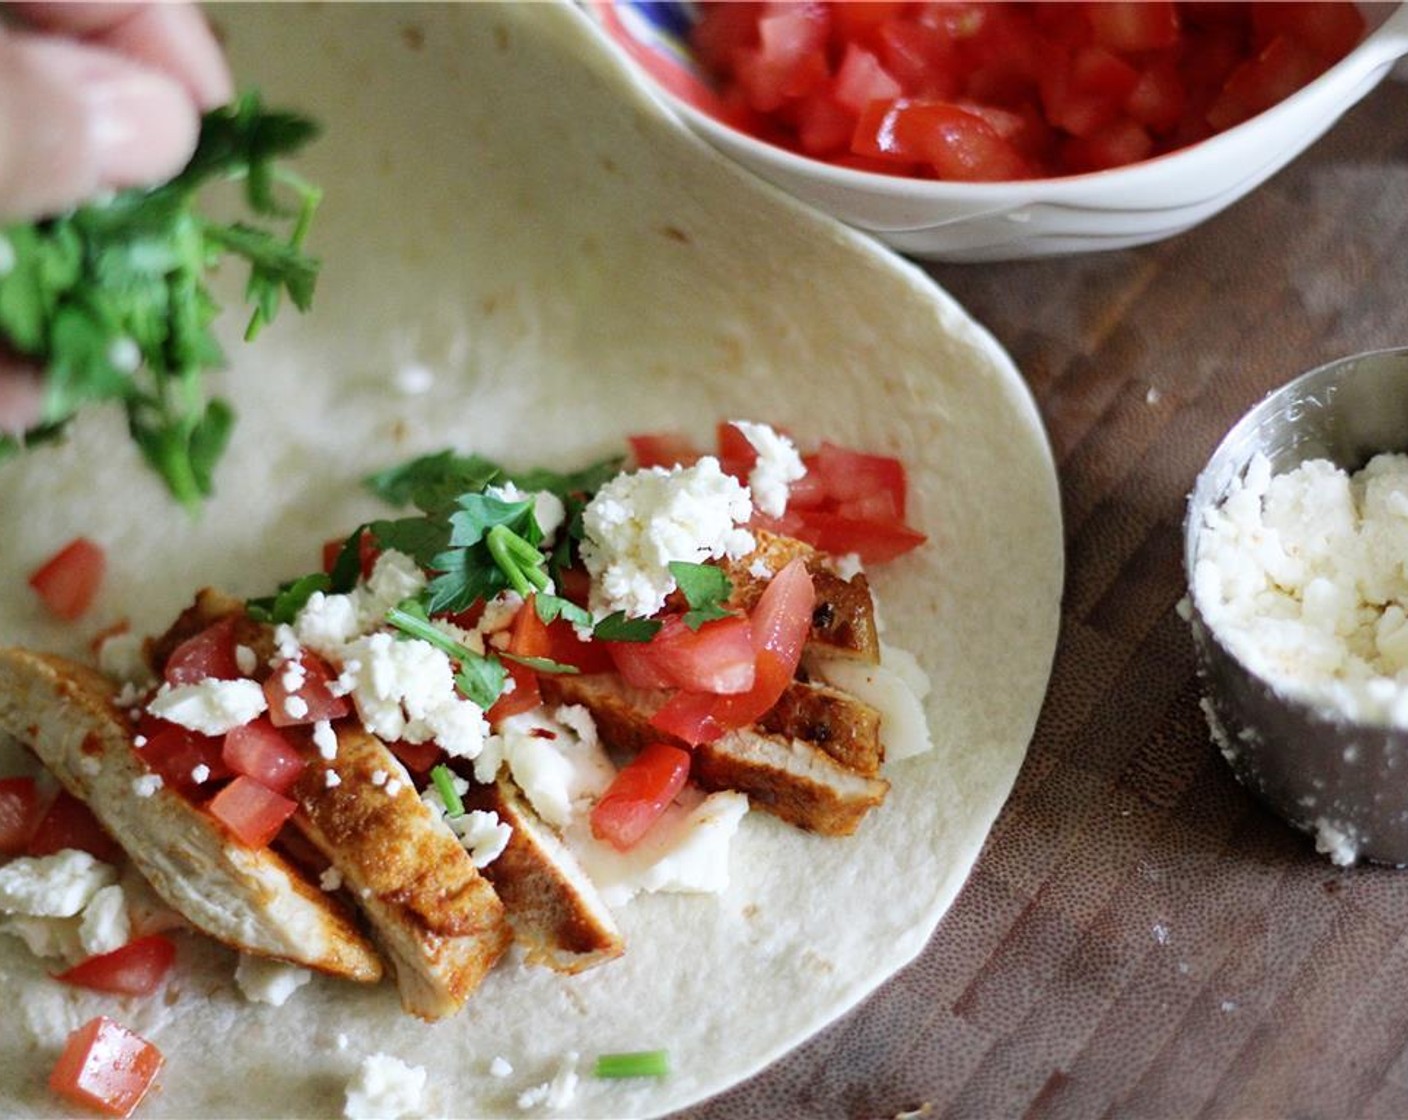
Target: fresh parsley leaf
[[542, 664], [481, 680], [292, 597], [706, 588], [552, 607], [111, 300], [616, 627], [433, 483]]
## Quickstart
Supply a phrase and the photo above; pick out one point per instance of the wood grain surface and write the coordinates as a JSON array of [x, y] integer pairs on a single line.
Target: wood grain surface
[[1140, 938]]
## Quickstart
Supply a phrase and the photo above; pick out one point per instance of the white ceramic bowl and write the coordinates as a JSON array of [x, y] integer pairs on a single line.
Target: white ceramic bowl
[[1114, 209]]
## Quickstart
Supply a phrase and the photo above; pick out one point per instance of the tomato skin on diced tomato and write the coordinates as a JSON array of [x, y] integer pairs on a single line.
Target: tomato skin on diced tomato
[[135, 969], [260, 751], [252, 812], [20, 810], [639, 794], [899, 88], [718, 657], [176, 753], [310, 699], [68, 581], [210, 653], [105, 1066]]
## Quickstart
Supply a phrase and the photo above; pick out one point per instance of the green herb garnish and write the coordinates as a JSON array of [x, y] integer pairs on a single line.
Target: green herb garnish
[[444, 781], [110, 300], [636, 1063], [706, 588], [480, 678]]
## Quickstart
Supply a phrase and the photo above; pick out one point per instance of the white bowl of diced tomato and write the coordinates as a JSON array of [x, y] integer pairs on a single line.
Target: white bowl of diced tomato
[[972, 131]]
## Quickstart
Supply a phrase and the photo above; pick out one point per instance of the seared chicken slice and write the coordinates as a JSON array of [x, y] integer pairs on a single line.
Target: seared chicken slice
[[843, 619], [781, 774], [437, 919], [556, 912], [249, 898], [845, 728]]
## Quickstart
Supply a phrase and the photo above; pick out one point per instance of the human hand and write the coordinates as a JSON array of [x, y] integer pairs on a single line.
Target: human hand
[[95, 97]]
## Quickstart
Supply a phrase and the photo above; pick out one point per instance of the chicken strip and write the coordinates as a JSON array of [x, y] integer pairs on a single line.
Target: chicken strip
[[250, 898], [437, 919]]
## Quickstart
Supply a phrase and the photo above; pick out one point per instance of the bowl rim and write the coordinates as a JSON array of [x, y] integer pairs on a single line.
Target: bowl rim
[[1378, 50]]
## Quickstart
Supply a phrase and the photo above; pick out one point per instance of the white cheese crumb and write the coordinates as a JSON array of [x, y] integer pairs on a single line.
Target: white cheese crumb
[[295, 707], [385, 1088], [200, 773], [393, 787], [246, 660], [105, 925], [378, 777], [641, 521], [330, 880], [325, 739], [212, 707], [56, 886], [896, 688], [777, 467], [558, 763], [548, 510], [483, 835], [500, 1067], [265, 980], [90, 765], [139, 741], [147, 785], [332, 779]]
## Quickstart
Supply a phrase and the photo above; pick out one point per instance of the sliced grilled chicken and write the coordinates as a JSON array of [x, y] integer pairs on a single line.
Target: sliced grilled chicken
[[781, 774], [435, 917], [250, 898], [556, 912], [843, 619], [845, 728]]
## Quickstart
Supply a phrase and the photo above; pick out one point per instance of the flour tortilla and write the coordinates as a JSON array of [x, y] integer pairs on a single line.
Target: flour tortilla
[[510, 212]]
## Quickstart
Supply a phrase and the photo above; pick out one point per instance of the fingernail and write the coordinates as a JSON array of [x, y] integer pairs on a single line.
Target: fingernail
[[142, 125]]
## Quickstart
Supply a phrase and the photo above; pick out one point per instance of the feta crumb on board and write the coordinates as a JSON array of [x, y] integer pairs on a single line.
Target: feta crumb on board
[[385, 1088], [1301, 575], [640, 521], [264, 980]]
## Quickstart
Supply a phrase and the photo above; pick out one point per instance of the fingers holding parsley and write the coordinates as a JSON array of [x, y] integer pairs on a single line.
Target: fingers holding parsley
[[104, 295]]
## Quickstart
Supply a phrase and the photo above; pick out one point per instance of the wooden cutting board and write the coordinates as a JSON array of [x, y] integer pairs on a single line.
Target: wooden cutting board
[[1140, 938]]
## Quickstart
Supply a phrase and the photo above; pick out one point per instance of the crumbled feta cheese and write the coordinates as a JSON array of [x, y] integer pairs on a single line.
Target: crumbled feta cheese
[[385, 1088], [327, 622], [641, 521], [778, 466], [295, 707], [483, 835], [90, 765], [147, 785], [325, 739], [393, 787], [265, 980], [378, 777], [105, 925], [330, 880], [685, 851], [47, 938], [56, 886], [395, 576], [556, 1094], [200, 773], [332, 779], [559, 768], [212, 707], [500, 1067], [246, 660], [139, 741]]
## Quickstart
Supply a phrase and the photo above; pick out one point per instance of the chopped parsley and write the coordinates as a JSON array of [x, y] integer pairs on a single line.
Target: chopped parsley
[[110, 300]]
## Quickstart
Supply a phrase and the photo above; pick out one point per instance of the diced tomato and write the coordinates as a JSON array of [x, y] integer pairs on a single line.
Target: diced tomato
[[419, 758], [722, 29], [861, 79], [210, 653], [1330, 29], [105, 1066], [1134, 25], [1120, 142], [312, 698], [260, 751], [1158, 99], [861, 21], [528, 637], [717, 658], [848, 475], [956, 144], [874, 541], [253, 813], [566, 648], [780, 622], [20, 810], [921, 58], [1283, 66], [639, 794], [133, 970], [69, 823], [790, 58], [662, 449], [176, 753], [68, 581]]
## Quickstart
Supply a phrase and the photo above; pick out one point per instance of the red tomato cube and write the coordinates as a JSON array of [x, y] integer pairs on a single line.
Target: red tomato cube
[[105, 1066], [253, 813], [133, 970], [639, 794], [299, 697], [69, 580], [69, 823], [260, 751], [210, 653]]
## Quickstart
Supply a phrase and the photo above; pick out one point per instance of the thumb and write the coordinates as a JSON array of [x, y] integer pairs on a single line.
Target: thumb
[[76, 120]]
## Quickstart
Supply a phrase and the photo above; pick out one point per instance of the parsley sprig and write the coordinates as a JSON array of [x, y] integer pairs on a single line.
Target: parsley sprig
[[110, 300]]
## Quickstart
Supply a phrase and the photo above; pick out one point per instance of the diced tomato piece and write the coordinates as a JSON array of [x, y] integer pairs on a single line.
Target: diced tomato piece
[[1329, 29], [566, 648], [956, 144], [861, 79], [639, 794], [310, 699], [662, 449], [1134, 25], [1158, 99], [875, 542], [638, 665], [176, 753], [68, 581], [252, 812], [105, 1066], [20, 810], [259, 750], [790, 58], [523, 696], [1282, 67], [848, 475], [717, 658], [780, 622], [1121, 142], [210, 653], [419, 758], [921, 58], [69, 823], [861, 21], [528, 637], [133, 970], [721, 30]]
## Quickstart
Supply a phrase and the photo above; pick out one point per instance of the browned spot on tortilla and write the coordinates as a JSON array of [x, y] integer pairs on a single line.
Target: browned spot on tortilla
[[501, 39], [674, 233], [413, 36], [398, 431], [609, 165]]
